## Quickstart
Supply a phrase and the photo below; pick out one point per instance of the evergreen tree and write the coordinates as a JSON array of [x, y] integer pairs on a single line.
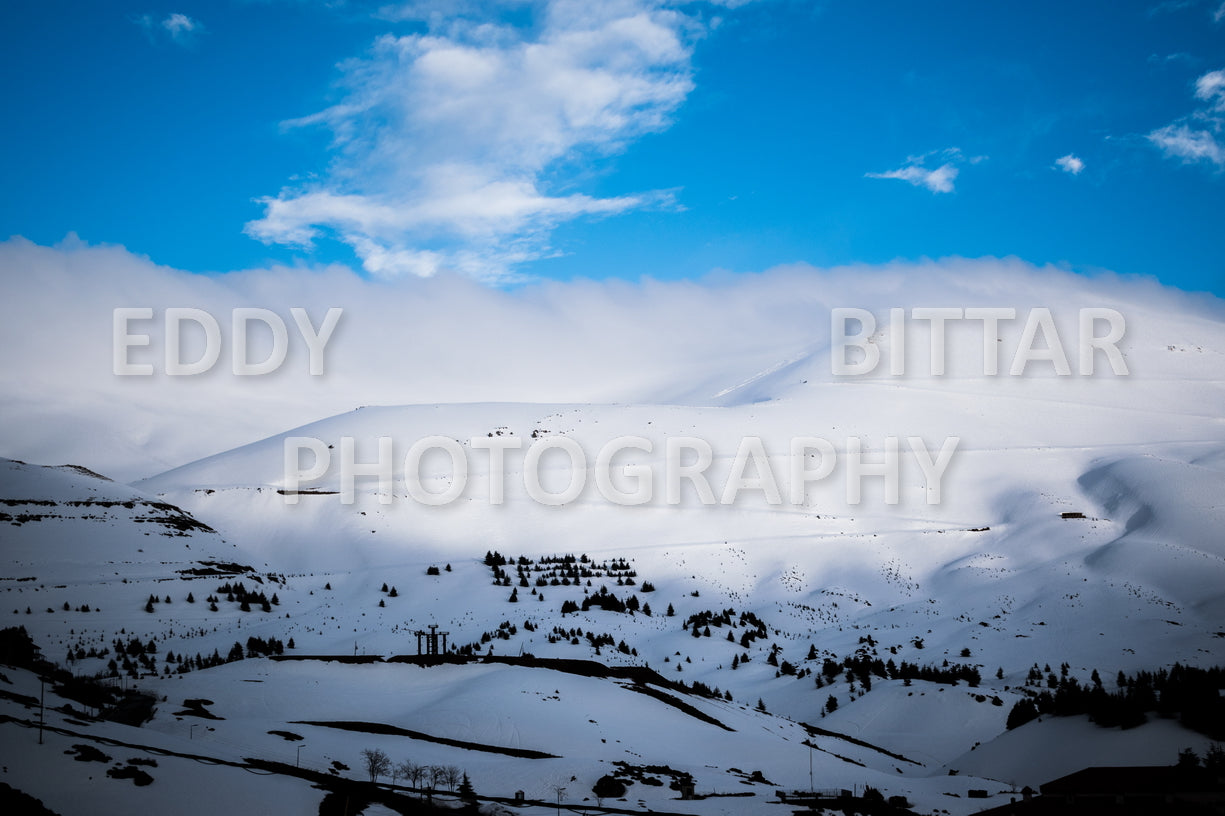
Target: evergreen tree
[[466, 792]]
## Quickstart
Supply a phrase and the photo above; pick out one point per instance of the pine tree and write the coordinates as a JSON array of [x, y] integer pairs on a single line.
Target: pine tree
[[191, 598], [671, 613], [466, 791]]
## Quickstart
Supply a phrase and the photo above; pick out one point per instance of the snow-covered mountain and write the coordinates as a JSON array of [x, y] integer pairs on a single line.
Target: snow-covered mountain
[[1079, 522]]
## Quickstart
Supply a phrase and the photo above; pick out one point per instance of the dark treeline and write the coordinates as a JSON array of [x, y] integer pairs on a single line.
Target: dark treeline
[[1188, 693]]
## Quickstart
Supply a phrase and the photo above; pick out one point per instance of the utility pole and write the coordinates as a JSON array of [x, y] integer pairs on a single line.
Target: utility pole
[[297, 763], [42, 706], [811, 788]]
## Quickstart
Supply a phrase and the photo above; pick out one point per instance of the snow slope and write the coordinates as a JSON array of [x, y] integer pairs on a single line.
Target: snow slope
[[1080, 522]]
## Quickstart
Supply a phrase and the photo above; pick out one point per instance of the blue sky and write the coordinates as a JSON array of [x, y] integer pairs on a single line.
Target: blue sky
[[563, 139]]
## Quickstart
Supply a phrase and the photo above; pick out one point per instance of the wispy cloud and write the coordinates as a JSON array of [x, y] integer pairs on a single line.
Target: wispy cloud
[[1197, 137], [457, 149], [1170, 6], [1180, 57], [939, 179], [1070, 164], [1219, 14], [1211, 89], [176, 27], [1189, 144]]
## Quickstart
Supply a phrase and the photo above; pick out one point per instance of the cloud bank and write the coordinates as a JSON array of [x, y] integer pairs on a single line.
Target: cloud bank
[[440, 340]]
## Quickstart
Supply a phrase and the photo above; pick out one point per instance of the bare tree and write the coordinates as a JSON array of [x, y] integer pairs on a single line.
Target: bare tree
[[451, 776], [394, 770], [438, 776], [412, 772], [375, 762]]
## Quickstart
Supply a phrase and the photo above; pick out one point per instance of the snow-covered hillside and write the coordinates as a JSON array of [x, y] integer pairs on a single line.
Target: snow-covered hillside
[[1079, 523]]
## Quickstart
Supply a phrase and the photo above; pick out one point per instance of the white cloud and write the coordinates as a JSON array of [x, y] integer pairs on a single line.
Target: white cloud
[[1179, 141], [1197, 136], [937, 180], [454, 148], [177, 27], [444, 339], [1219, 14], [1070, 164], [1211, 88]]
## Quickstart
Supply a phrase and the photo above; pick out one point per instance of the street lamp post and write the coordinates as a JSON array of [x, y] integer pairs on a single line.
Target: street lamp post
[[191, 732], [297, 763]]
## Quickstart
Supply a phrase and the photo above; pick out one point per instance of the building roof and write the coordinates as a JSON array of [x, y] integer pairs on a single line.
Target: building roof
[[1134, 780]]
